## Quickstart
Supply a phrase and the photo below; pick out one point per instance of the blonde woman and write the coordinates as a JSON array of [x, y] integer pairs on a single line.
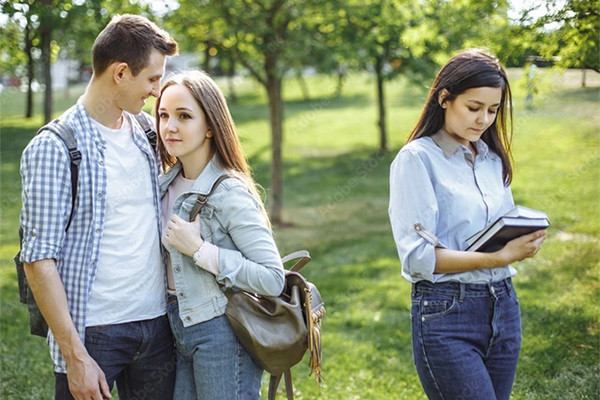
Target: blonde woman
[[229, 245]]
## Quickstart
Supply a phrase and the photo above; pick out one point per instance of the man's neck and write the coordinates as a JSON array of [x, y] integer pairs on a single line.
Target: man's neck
[[100, 105]]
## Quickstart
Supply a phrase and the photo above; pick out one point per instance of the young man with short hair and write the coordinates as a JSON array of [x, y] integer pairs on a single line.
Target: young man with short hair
[[100, 284]]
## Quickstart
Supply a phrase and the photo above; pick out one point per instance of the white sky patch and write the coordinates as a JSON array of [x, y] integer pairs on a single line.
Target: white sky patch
[[161, 7]]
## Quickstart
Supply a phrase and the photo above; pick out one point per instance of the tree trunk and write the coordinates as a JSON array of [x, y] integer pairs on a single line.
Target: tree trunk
[[46, 39], [303, 85], [207, 56], [381, 105], [341, 74], [276, 118], [583, 74], [230, 80], [30, 68]]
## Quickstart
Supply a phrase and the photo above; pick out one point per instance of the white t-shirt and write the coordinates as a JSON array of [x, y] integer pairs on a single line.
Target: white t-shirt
[[129, 283]]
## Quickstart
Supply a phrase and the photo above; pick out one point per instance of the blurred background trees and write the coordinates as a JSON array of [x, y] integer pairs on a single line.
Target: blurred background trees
[[271, 39]]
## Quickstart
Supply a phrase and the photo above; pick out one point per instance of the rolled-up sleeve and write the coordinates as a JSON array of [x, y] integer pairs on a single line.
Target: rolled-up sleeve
[[46, 195], [413, 206], [255, 265]]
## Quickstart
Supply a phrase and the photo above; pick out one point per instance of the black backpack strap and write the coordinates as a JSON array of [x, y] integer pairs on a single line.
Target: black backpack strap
[[67, 135], [202, 199], [148, 129]]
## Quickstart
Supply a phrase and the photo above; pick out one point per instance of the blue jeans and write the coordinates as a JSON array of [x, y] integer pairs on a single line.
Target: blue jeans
[[138, 355], [466, 339], [211, 362]]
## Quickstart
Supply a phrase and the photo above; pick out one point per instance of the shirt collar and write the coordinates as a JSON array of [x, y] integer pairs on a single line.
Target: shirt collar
[[450, 146], [447, 143]]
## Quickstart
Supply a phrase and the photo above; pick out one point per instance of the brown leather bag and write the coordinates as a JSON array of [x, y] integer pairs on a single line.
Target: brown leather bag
[[277, 331]]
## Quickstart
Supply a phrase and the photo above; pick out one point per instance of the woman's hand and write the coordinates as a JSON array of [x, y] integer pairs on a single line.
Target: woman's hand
[[522, 247], [184, 236], [453, 261]]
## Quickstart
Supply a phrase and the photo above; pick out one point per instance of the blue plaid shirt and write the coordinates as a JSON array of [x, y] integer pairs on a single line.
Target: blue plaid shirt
[[46, 181]]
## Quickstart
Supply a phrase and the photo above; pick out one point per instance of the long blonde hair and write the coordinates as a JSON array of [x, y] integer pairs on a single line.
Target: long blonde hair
[[225, 142]]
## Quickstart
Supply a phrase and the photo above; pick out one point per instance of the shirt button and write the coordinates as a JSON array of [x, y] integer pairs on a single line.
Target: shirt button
[[33, 233], [181, 295], [99, 194], [101, 163], [177, 269], [187, 319]]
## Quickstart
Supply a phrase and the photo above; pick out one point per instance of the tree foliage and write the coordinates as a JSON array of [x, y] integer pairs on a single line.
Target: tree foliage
[[575, 41], [265, 37], [268, 38], [49, 29]]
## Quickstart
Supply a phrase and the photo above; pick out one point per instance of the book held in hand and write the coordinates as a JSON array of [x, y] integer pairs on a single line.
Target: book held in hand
[[517, 222]]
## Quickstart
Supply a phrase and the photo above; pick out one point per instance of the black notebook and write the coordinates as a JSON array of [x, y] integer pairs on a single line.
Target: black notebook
[[517, 222]]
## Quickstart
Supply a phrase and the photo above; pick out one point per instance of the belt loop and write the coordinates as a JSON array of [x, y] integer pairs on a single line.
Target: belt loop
[[414, 289], [509, 286], [461, 291]]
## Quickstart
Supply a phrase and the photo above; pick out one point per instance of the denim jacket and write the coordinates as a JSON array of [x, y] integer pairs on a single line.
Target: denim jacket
[[248, 256]]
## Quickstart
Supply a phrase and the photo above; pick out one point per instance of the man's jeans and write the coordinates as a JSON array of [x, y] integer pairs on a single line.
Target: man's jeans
[[139, 356], [211, 362], [466, 339]]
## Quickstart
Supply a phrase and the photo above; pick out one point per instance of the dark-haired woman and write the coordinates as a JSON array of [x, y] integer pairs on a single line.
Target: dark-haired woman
[[449, 181]]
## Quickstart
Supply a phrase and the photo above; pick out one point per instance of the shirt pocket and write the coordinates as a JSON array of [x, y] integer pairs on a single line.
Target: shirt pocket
[[209, 224]]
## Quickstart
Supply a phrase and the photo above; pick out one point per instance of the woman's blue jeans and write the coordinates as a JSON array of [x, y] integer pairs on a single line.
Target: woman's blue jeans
[[466, 339], [211, 362]]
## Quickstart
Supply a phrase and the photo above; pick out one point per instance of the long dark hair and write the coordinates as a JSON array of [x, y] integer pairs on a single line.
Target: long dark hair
[[466, 70]]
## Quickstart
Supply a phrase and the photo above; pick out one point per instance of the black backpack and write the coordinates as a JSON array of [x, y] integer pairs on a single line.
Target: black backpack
[[37, 323]]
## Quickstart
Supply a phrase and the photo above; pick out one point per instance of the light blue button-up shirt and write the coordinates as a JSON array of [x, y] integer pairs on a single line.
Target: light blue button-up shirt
[[437, 187]]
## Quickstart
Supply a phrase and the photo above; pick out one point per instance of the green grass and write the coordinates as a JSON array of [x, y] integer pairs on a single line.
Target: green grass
[[335, 197]]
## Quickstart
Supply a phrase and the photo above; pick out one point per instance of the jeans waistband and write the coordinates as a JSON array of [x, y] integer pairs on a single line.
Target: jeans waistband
[[463, 290]]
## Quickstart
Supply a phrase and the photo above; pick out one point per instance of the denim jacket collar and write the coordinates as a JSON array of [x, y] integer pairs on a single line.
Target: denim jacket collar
[[202, 184]]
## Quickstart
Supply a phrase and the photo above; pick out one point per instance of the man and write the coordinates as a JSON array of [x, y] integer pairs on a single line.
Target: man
[[100, 284]]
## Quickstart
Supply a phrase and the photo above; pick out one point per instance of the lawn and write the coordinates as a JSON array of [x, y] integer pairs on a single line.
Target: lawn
[[336, 198]]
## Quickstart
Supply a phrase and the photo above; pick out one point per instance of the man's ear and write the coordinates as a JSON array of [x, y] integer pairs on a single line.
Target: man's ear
[[444, 93], [209, 133], [119, 71]]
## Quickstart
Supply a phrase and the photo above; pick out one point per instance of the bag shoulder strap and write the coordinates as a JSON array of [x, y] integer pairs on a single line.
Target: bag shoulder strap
[[148, 129], [66, 133], [274, 384], [202, 199], [302, 255]]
